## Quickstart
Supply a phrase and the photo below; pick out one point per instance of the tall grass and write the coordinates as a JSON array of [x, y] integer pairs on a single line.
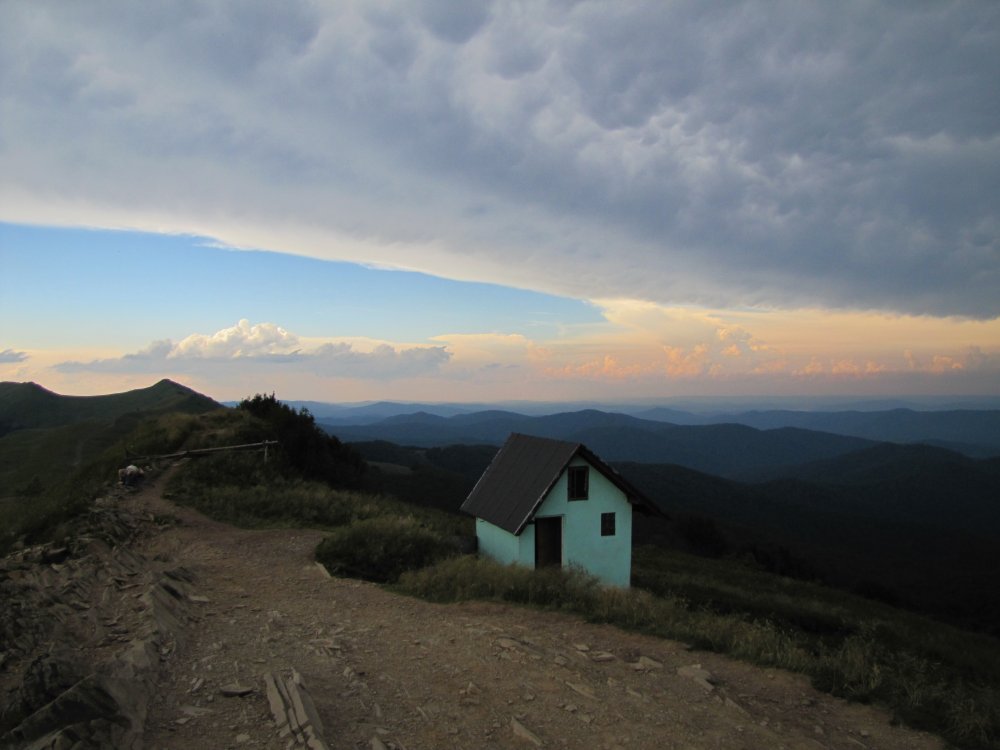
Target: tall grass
[[371, 536], [240, 488]]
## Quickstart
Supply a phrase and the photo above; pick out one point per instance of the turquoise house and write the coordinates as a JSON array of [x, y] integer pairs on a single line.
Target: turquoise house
[[548, 502]]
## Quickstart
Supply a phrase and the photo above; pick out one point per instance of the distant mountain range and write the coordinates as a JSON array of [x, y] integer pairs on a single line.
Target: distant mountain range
[[377, 411], [731, 450], [973, 432]]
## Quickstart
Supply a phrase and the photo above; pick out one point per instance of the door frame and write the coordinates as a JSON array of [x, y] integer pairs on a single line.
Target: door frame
[[548, 533]]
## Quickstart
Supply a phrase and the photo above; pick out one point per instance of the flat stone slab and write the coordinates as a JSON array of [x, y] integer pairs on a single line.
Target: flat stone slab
[[522, 732], [235, 690], [701, 676]]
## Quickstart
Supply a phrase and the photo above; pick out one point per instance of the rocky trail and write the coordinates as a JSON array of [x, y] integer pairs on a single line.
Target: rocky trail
[[160, 628]]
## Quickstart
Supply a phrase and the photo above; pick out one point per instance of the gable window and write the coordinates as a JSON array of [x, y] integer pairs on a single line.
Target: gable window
[[607, 524], [579, 482]]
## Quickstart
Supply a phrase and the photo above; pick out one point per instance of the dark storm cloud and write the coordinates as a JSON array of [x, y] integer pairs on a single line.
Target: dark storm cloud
[[839, 155]]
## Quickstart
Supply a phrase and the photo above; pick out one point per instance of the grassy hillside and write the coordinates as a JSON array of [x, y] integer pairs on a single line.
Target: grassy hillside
[[89, 453], [43, 511], [28, 405], [431, 477], [59, 451], [908, 524], [45, 437]]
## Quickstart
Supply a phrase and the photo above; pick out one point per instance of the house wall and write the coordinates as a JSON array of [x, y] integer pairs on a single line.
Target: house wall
[[526, 549], [499, 545], [607, 557]]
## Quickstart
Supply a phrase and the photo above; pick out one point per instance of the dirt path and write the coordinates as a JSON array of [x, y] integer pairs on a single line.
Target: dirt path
[[395, 672]]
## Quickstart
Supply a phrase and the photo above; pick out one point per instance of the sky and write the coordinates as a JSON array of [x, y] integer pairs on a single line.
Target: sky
[[457, 201]]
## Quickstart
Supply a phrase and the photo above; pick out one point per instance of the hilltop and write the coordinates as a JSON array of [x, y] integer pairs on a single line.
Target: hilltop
[[314, 497], [30, 406], [56, 451], [181, 648]]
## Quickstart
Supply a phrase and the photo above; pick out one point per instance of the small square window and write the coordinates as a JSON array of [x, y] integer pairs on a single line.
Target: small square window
[[607, 524], [579, 480]]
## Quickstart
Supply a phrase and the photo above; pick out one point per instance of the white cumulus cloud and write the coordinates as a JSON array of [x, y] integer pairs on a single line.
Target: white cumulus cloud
[[241, 340], [266, 347]]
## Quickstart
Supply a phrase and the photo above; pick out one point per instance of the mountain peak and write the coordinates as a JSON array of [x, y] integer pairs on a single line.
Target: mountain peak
[[29, 405]]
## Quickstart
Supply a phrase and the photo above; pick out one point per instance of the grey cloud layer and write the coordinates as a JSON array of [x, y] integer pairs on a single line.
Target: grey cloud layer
[[266, 347], [8, 356], [385, 363], [843, 155]]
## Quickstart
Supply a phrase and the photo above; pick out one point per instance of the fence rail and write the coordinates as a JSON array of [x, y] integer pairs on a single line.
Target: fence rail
[[201, 451]]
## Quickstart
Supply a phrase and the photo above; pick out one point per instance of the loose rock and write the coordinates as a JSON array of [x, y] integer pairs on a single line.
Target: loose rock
[[235, 690], [522, 732], [701, 676]]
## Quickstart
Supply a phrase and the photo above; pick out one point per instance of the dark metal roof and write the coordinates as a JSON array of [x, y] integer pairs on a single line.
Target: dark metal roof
[[523, 471]]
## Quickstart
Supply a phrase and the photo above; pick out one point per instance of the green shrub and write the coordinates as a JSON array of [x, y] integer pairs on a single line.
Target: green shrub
[[381, 549]]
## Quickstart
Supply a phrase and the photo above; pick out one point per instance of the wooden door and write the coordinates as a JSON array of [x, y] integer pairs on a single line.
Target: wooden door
[[548, 542]]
